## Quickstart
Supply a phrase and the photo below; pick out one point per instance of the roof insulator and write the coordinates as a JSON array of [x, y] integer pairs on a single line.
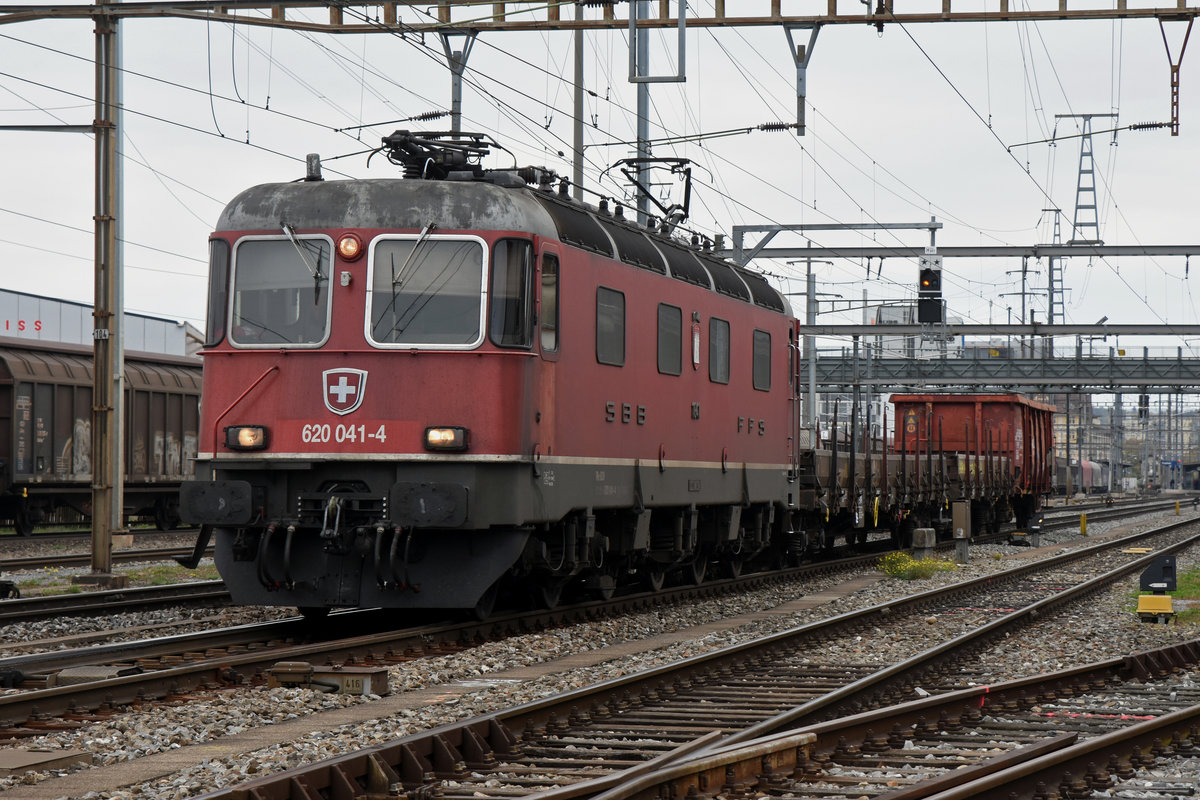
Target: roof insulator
[[312, 165]]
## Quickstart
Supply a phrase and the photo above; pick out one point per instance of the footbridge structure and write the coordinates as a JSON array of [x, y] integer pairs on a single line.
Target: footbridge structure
[[977, 358]]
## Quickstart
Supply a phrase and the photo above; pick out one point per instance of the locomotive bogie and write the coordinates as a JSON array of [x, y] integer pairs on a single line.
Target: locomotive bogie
[[413, 536]]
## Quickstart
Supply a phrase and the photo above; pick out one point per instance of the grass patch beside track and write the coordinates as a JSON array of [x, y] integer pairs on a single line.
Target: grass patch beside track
[[906, 568], [1186, 597], [55, 580]]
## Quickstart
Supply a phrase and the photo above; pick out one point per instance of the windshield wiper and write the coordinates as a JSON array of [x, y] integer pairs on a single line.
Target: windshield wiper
[[314, 269], [424, 235]]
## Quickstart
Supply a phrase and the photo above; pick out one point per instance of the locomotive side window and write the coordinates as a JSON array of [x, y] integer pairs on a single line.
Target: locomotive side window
[[512, 296], [762, 360], [549, 303], [670, 339], [426, 291], [281, 292], [218, 290], [610, 327], [718, 350]]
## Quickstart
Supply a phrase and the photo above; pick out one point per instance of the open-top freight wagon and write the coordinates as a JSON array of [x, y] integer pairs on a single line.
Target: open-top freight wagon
[[993, 451], [998, 451]]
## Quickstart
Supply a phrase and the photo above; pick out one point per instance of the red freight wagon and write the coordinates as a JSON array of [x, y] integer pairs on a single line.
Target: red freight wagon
[[1010, 426]]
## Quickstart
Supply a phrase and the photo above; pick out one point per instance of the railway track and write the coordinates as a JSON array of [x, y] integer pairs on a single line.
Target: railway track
[[110, 601], [1066, 517], [213, 592], [159, 667], [604, 740], [1066, 734], [754, 690], [84, 559], [122, 672], [1060, 517]]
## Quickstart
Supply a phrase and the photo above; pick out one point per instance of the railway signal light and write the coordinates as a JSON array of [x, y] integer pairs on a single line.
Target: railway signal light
[[929, 290], [931, 281]]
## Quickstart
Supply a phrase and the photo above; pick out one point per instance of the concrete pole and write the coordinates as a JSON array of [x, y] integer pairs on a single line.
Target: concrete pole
[[107, 388], [810, 345], [643, 113]]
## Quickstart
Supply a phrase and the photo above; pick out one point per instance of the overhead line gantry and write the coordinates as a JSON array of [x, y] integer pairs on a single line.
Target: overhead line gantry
[[547, 16]]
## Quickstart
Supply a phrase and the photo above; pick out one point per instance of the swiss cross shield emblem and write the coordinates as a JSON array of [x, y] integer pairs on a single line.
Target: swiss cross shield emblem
[[344, 388]]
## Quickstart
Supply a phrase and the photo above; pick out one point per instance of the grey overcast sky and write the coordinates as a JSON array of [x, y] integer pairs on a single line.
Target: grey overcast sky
[[916, 121]]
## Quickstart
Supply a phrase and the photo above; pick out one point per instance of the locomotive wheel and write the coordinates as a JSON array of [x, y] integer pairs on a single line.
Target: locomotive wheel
[[732, 567], [548, 592], [654, 578], [486, 604], [23, 523], [605, 590], [694, 571]]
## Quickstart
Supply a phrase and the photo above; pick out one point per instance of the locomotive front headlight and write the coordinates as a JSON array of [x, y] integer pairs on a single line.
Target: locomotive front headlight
[[446, 439], [349, 247], [246, 437]]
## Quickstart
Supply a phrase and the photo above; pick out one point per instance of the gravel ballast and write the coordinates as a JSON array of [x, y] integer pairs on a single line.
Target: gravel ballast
[[1104, 627]]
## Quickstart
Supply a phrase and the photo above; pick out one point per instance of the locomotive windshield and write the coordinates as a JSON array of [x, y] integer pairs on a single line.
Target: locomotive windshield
[[281, 292], [426, 291]]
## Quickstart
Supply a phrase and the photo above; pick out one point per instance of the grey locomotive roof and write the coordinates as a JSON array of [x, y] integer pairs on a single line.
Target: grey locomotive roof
[[481, 205], [386, 203]]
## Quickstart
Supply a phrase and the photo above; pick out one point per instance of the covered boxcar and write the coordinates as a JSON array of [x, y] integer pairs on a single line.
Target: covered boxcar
[[1075, 477], [45, 431], [984, 427]]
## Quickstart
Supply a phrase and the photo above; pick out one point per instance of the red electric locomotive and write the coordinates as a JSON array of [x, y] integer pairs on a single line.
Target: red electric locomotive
[[421, 391]]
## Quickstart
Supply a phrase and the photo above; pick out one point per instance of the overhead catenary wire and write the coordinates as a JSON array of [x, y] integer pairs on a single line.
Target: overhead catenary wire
[[826, 153], [859, 204]]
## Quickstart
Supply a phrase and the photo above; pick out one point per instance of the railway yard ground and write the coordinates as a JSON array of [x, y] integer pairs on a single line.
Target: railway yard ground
[[201, 741]]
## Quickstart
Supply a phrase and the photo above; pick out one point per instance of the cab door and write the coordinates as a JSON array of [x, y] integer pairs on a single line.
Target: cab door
[[548, 346]]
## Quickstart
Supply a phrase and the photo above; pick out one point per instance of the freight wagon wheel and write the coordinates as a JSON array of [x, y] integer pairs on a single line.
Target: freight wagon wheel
[[694, 571], [732, 567], [166, 518], [23, 522]]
